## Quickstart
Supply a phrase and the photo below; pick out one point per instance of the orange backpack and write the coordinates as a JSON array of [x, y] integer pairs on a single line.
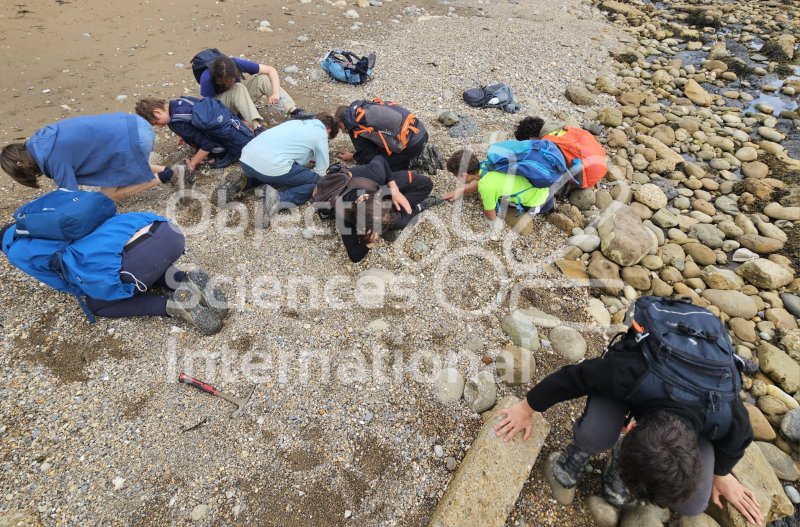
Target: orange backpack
[[576, 143]]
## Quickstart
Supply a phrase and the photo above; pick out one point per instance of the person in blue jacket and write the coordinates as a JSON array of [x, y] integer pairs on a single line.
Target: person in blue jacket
[[223, 79], [116, 266], [110, 151]]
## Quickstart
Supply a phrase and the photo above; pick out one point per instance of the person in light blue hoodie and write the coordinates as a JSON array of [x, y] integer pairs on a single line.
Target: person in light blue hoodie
[[277, 160], [110, 151]]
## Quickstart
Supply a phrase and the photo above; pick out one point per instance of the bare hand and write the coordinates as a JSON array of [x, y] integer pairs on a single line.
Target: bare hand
[[737, 495], [454, 195], [274, 98], [517, 419], [400, 202], [345, 155]]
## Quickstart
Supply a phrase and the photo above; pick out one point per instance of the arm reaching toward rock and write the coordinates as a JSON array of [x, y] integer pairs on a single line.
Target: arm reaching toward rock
[[517, 419], [737, 495]]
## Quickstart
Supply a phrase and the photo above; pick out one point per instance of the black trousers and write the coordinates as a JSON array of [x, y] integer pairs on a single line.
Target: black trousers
[[365, 150]]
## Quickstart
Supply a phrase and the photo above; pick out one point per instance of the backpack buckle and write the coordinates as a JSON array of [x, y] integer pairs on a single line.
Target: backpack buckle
[[714, 399], [641, 336]]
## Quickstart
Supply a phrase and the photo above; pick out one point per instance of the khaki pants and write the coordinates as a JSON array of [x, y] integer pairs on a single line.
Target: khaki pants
[[242, 96]]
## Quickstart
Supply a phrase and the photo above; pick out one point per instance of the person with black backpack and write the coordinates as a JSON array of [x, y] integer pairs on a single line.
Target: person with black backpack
[[386, 129], [224, 78], [204, 124], [675, 372]]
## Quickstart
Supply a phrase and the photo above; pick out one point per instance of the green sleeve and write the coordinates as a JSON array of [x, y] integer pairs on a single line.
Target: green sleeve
[[488, 194]]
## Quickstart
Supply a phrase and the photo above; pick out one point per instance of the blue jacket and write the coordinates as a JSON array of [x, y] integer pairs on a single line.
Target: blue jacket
[[92, 263], [97, 150]]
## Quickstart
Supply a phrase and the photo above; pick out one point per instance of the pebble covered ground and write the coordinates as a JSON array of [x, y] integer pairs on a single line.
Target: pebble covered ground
[[343, 426]]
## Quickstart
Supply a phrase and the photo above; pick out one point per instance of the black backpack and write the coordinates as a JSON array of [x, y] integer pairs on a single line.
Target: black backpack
[[690, 359], [219, 124], [203, 60], [330, 188]]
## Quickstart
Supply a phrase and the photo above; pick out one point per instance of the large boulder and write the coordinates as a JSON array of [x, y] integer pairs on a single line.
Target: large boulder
[[780, 49], [755, 473], [765, 274], [488, 481], [781, 462], [624, 239], [717, 278], [762, 430], [580, 95], [664, 153], [568, 343], [780, 367], [604, 274], [790, 426], [515, 365], [732, 303]]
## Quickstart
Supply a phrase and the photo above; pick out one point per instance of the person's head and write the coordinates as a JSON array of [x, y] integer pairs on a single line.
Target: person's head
[[224, 73], [660, 460], [368, 216], [529, 128], [154, 111], [328, 122], [464, 164], [338, 118], [18, 163]]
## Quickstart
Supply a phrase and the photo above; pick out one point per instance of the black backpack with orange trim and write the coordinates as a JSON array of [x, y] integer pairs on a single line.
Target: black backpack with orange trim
[[387, 124]]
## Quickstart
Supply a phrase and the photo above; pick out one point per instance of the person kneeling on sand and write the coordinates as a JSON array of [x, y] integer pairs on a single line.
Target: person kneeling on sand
[[495, 187], [110, 151], [370, 200], [689, 433], [177, 115], [276, 162], [112, 270], [222, 77], [386, 129]]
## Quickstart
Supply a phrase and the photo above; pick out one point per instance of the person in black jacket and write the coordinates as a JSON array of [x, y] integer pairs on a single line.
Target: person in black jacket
[[664, 458]]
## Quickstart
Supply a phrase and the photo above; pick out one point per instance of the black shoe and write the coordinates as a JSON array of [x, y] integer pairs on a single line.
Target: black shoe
[[570, 466], [299, 113], [615, 491], [429, 160], [231, 188], [429, 202], [268, 206], [211, 297]]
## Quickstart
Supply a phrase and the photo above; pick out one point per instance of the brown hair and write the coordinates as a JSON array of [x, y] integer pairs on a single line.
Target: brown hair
[[660, 460], [368, 216], [18, 163], [338, 116], [146, 107], [223, 69], [329, 123], [463, 162]]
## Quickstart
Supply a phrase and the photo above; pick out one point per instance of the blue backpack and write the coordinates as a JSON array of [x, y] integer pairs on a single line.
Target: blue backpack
[[64, 214], [539, 161], [690, 359], [346, 66], [219, 124]]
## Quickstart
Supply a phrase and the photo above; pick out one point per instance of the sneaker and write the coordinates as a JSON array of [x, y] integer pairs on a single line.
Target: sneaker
[[429, 202], [299, 113], [570, 466], [268, 205], [429, 160], [230, 188], [615, 492], [184, 303], [213, 297], [182, 177]]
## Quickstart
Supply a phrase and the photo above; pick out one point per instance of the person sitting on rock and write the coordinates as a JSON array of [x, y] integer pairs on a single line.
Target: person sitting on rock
[[223, 78], [369, 201], [496, 189], [386, 129], [671, 456], [125, 257], [160, 112], [110, 151], [277, 161]]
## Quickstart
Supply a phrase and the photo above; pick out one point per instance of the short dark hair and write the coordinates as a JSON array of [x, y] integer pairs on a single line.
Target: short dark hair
[[329, 123], [338, 115], [222, 69], [146, 107], [18, 163], [529, 128], [660, 460], [463, 161]]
